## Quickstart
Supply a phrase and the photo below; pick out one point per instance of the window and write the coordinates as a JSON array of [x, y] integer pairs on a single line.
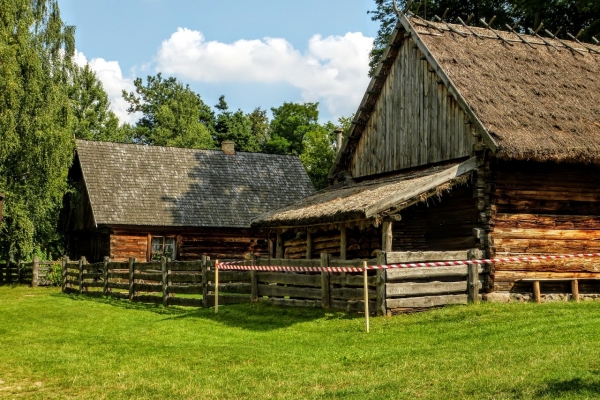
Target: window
[[163, 246]]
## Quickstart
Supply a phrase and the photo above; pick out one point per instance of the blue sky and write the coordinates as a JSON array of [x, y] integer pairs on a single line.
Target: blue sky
[[256, 53]]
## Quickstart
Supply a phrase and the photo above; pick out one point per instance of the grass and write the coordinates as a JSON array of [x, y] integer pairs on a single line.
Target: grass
[[59, 346]]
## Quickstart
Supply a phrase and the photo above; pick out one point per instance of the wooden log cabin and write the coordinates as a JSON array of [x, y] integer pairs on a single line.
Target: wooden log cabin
[[149, 201], [466, 138]]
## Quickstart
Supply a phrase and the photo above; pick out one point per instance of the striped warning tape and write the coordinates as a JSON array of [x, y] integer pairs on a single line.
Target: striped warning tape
[[234, 265]]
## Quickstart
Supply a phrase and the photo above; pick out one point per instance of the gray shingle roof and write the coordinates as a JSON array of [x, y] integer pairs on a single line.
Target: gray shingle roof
[[165, 186]]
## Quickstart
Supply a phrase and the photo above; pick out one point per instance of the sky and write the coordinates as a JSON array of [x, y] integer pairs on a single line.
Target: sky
[[258, 53]]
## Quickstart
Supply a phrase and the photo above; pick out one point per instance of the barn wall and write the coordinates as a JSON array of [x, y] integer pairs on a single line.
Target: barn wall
[[545, 208], [442, 224], [93, 245], [218, 243], [414, 121]]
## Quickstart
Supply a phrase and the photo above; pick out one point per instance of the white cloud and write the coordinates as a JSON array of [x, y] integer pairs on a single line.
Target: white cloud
[[109, 73], [333, 70]]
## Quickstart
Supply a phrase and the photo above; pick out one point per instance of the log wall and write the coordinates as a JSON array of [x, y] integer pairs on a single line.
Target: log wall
[[360, 243], [545, 208], [414, 121], [442, 224]]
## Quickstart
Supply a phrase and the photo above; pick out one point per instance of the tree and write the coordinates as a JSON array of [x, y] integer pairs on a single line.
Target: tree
[[572, 15], [259, 125], [234, 126], [289, 125], [319, 153], [173, 115], [36, 138], [91, 108]]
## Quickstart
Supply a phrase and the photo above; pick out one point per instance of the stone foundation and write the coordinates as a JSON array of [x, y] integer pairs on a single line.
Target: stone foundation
[[503, 297]]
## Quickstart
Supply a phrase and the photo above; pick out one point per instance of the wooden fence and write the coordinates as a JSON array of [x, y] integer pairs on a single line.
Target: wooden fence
[[33, 273], [191, 283]]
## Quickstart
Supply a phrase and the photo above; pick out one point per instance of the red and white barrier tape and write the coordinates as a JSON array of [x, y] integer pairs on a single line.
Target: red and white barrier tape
[[235, 264]]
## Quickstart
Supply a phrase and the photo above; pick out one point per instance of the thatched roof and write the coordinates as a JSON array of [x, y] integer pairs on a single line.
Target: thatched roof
[[369, 199], [165, 186], [529, 101]]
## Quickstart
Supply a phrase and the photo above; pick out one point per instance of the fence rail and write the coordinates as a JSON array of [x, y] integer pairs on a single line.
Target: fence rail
[[34, 273]]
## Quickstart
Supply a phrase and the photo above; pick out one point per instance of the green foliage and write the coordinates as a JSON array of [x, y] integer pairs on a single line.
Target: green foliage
[[173, 115], [235, 126], [124, 350], [572, 15], [259, 125], [36, 138], [290, 123], [54, 274], [91, 108]]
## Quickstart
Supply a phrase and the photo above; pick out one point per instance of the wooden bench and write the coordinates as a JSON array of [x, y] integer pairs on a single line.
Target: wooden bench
[[574, 286]]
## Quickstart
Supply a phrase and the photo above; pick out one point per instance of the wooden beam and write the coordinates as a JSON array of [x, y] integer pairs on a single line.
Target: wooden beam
[[434, 181], [386, 236], [536, 292], [343, 242], [279, 247], [418, 256], [325, 282], [149, 248], [309, 245], [575, 290]]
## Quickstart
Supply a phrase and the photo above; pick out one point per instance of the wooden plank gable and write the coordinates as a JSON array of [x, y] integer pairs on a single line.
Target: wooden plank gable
[[415, 121]]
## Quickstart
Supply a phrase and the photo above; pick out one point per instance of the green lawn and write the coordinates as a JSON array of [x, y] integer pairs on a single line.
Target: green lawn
[[58, 346]]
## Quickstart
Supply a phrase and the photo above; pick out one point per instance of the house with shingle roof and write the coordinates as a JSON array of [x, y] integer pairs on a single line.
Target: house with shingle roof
[[149, 201], [466, 138]]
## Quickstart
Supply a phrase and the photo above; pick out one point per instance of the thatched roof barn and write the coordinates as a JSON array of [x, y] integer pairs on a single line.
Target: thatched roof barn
[[137, 196], [465, 138]]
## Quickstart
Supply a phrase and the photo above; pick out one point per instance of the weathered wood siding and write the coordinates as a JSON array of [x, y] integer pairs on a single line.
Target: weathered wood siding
[[442, 224], [414, 122], [545, 208], [125, 244], [360, 243]]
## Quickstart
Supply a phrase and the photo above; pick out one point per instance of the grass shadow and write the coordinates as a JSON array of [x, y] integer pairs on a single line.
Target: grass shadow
[[569, 387], [249, 316]]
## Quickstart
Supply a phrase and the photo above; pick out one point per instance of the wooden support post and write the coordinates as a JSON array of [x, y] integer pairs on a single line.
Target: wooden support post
[[131, 281], [343, 242], [279, 247], [325, 281], [575, 290], [65, 260], [19, 272], [81, 264], [165, 282], [254, 282], [536, 292], [35, 272], [473, 283], [105, 269], [216, 286], [149, 248], [204, 260], [386, 236], [309, 245], [381, 279], [366, 290]]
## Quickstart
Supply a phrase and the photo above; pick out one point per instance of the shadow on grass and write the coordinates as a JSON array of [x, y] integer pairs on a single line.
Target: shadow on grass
[[569, 387], [252, 316]]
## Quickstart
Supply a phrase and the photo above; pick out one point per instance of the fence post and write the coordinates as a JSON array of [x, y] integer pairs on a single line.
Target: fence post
[[19, 272], [35, 272], [473, 278], [325, 281], [381, 279], [105, 266], [165, 282], [131, 265], [204, 260], [65, 260], [253, 281], [216, 286], [366, 290], [81, 263], [1, 273]]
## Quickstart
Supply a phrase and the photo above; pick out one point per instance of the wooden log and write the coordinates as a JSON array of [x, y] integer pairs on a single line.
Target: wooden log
[[343, 240], [82, 261], [386, 236], [325, 285], [282, 291], [421, 256], [511, 276], [298, 279], [351, 280], [279, 248], [459, 271], [347, 293], [105, 276], [575, 290], [238, 287], [254, 285], [116, 285], [118, 275], [473, 283], [291, 302], [428, 301], [147, 287], [185, 289], [230, 276], [64, 262], [185, 277], [204, 282], [536, 292], [186, 301], [35, 279], [309, 245], [131, 280], [164, 281], [93, 285], [425, 288], [381, 285]]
